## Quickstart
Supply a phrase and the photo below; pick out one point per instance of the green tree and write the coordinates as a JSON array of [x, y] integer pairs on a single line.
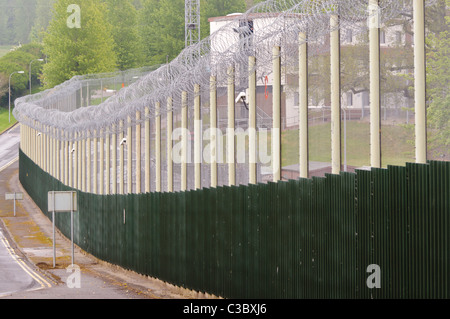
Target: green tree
[[18, 60], [216, 8], [77, 51], [161, 25], [146, 28], [122, 15], [161, 29], [42, 19], [438, 82]]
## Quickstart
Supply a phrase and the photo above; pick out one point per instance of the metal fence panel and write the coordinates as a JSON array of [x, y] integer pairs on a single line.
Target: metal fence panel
[[307, 238]]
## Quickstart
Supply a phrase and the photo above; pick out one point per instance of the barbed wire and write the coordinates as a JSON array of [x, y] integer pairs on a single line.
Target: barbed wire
[[253, 33]]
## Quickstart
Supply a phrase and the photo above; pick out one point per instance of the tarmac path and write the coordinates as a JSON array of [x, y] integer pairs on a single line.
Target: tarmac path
[[26, 252]]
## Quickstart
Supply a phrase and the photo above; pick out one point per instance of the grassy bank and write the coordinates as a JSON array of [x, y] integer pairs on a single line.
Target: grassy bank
[[4, 119], [396, 146]]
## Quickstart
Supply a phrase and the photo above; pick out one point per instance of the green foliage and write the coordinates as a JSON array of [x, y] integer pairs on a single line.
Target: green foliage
[[16, 18], [77, 51], [42, 19], [211, 9], [161, 29], [19, 60], [122, 15], [161, 25], [438, 84]]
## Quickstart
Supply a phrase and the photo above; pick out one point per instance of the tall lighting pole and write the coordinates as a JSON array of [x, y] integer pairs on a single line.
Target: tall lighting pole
[[19, 72], [41, 60], [192, 22]]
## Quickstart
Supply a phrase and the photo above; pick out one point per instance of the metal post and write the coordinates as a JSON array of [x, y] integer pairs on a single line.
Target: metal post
[[158, 146], [107, 164], [53, 153], [53, 230], [67, 157], [335, 96], [420, 81], [375, 119], [121, 159], [138, 152], [88, 167], [197, 137], [252, 120], [213, 130], [75, 162], [114, 160], [303, 106], [276, 129], [46, 155], [39, 147], [83, 164], [95, 168], [230, 129], [147, 150], [80, 165], [71, 228], [58, 155], [102, 163], [129, 157], [345, 140], [70, 160], [184, 140], [169, 145]]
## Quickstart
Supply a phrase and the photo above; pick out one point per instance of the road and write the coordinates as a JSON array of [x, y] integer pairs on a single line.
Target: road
[[15, 274], [9, 146], [26, 254]]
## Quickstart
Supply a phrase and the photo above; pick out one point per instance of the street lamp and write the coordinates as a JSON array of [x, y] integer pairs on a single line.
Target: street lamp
[[19, 72], [41, 60]]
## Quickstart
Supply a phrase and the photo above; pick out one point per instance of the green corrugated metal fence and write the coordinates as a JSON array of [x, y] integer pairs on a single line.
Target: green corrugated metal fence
[[299, 239]]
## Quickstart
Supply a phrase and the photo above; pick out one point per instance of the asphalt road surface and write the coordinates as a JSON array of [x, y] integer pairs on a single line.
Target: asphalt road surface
[[9, 146], [15, 274], [26, 270], [19, 277]]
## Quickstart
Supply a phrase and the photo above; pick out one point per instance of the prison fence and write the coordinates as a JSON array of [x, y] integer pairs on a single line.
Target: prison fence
[[306, 238]]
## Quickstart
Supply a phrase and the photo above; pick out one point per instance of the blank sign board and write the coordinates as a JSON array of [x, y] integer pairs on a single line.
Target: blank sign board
[[61, 202], [14, 196]]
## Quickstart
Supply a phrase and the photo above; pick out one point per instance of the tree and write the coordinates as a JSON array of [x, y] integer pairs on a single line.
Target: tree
[[161, 29], [216, 8], [147, 29], [77, 51], [438, 82], [122, 15], [161, 25], [17, 18], [42, 19], [18, 60]]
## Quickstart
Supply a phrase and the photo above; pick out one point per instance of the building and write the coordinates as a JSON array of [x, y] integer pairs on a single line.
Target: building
[[395, 48]]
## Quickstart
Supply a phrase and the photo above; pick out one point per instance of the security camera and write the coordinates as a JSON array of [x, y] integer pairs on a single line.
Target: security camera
[[39, 134], [242, 96], [124, 141]]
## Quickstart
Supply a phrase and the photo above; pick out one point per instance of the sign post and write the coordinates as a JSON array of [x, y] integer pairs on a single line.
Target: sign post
[[62, 202], [14, 197]]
